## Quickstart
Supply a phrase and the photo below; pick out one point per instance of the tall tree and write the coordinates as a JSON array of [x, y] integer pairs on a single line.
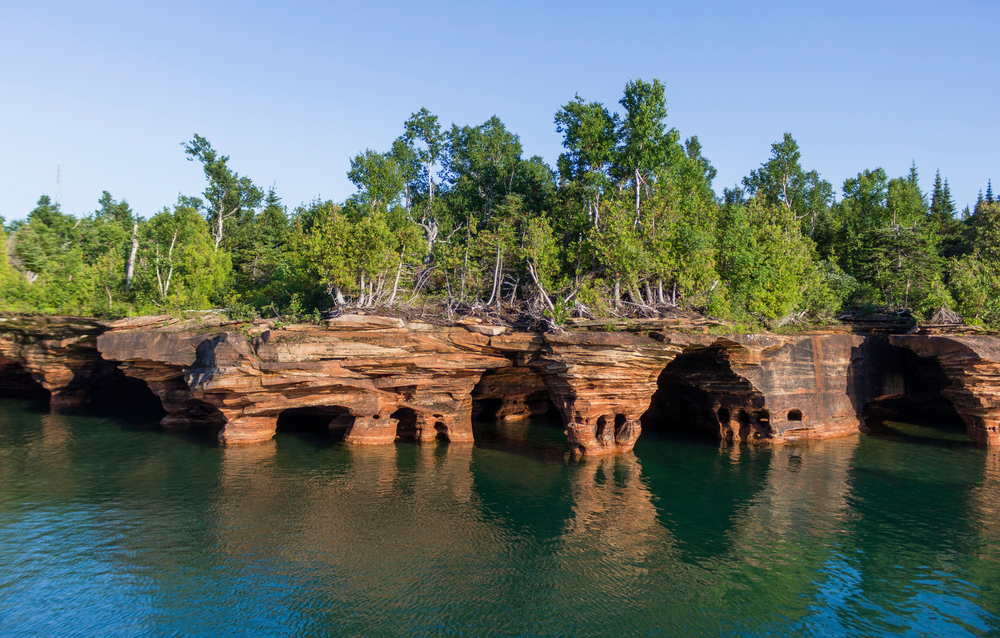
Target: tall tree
[[783, 182], [380, 179], [423, 135], [229, 197], [644, 142], [590, 139], [482, 164]]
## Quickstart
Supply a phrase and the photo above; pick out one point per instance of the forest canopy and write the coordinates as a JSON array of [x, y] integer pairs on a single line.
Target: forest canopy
[[627, 224]]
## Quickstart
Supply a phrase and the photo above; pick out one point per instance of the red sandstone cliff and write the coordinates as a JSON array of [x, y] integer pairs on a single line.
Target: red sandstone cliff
[[379, 378]]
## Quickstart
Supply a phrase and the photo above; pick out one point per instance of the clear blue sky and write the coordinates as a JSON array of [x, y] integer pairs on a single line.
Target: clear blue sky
[[292, 91]]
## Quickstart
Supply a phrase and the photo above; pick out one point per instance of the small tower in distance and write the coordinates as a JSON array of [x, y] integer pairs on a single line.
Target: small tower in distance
[[57, 195]]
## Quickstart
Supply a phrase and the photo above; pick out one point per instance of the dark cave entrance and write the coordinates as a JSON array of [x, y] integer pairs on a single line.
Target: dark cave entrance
[[512, 394], [329, 421], [113, 393], [17, 383], [699, 395], [406, 428], [919, 408]]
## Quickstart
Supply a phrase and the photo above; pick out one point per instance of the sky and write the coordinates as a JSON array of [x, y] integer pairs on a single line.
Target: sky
[[291, 91]]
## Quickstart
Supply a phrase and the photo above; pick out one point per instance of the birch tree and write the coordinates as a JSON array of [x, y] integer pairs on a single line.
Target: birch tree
[[228, 195]]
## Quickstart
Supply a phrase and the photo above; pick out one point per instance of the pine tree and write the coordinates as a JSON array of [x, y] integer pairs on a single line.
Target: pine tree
[[947, 203], [937, 194], [989, 192]]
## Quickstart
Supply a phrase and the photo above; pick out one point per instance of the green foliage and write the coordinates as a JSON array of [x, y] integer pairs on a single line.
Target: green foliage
[[975, 278], [230, 198], [627, 225], [767, 262]]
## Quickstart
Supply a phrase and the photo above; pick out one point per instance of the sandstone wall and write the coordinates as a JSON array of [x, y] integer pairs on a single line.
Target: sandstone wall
[[381, 377]]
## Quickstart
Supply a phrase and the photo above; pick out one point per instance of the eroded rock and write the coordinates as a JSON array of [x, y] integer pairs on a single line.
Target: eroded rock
[[378, 379]]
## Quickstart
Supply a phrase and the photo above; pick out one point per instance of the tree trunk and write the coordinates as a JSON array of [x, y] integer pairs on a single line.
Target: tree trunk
[[541, 289], [618, 292], [496, 275], [130, 268], [636, 196], [395, 284], [218, 231]]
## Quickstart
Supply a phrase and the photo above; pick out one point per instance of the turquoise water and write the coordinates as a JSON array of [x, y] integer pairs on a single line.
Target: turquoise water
[[110, 528]]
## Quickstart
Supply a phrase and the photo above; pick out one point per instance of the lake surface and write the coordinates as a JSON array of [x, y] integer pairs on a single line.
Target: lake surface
[[116, 528]]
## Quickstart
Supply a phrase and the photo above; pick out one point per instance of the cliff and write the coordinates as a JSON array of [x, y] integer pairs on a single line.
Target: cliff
[[378, 378], [972, 366]]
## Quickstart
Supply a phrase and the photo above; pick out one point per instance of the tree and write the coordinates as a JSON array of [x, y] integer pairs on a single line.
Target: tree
[[179, 268], [766, 262], [423, 136], [975, 278], [782, 181], [419, 150], [643, 142], [229, 196], [590, 139], [482, 163], [380, 179]]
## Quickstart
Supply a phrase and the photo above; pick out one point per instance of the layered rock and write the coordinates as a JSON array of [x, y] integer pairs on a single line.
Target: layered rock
[[379, 379], [602, 383], [382, 376], [972, 365], [58, 352], [774, 388]]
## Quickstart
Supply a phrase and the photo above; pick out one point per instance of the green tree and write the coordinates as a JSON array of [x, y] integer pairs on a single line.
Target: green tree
[[230, 198], [644, 143], [782, 181], [590, 139], [380, 179], [767, 263]]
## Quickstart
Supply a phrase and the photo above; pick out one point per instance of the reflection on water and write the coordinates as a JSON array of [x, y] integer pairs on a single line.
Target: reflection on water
[[118, 529]]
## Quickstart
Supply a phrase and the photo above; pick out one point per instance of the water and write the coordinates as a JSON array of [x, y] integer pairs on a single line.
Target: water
[[109, 528]]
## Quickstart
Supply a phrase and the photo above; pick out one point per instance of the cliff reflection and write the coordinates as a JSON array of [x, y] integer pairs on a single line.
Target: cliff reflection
[[612, 533], [700, 492], [805, 494]]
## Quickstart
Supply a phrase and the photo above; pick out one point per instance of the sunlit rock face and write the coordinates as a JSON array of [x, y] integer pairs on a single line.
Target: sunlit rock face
[[764, 388], [59, 353], [972, 365], [375, 380]]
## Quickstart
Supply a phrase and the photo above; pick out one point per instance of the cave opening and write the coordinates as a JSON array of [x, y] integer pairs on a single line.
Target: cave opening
[[406, 427], [328, 421], [486, 409], [512, 394], [697, 394], [920, 410], [17, 383], [113, 393]]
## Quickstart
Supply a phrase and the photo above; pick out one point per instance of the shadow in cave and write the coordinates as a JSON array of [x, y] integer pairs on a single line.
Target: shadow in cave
[[115, 395], [17, 383], [699, 396], [406, 426], [526, 423], [918, 412], [322, 425]]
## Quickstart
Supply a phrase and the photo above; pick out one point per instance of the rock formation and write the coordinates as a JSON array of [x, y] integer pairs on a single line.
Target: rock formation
[[972, 365], [377, 379], [58, 352]]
